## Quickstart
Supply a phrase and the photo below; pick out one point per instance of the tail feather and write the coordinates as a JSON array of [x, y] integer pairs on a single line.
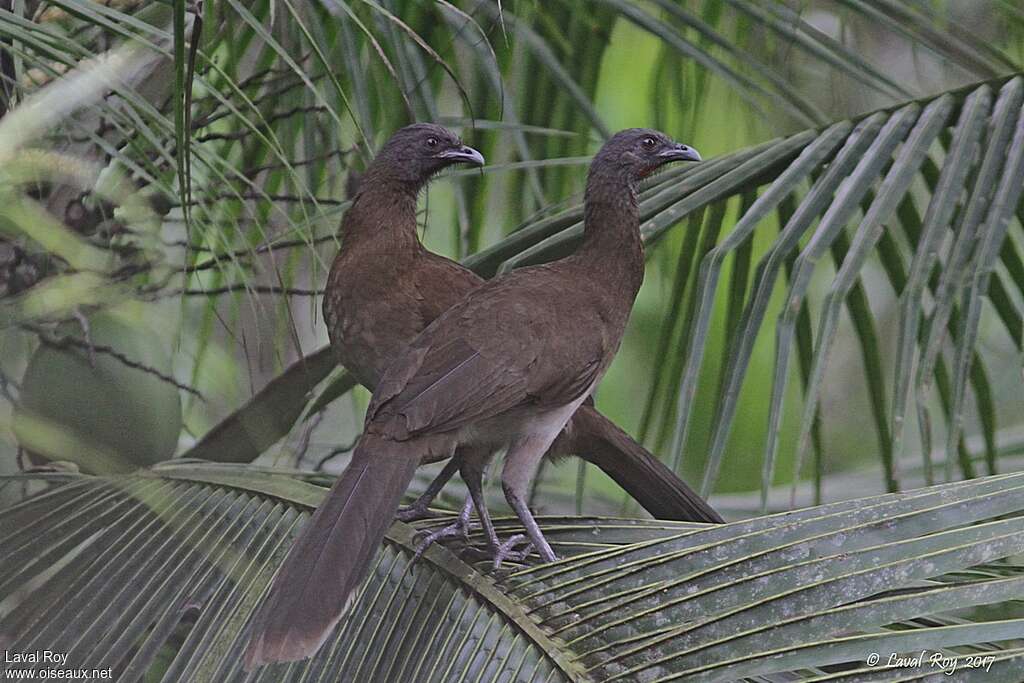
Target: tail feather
[[318, 580], [648, 480]]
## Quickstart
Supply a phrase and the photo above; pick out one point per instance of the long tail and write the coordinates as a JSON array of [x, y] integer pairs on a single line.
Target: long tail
[[318, 580], [658, 489]]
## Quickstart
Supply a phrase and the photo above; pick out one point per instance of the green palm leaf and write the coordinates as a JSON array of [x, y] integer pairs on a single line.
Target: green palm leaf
[[226, 136], [156, 575], [830, 175]]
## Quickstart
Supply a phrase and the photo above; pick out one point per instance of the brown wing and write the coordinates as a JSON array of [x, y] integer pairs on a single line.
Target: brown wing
[[440, 284], [492, 352], [566, 389], [454, 385]]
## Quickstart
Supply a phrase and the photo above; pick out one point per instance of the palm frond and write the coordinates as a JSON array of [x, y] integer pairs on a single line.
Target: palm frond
[[158, 574]]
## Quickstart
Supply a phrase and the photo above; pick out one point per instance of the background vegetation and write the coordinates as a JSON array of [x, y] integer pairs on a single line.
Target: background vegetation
[[173, 174], [285, 100]]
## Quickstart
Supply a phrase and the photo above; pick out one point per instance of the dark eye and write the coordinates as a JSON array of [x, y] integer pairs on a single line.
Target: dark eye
[[431, 142], [648, 143]]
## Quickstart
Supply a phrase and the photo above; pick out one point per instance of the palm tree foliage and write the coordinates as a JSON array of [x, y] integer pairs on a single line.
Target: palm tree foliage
[[182, 165], [817, 183], [234, 140], [158, 572]]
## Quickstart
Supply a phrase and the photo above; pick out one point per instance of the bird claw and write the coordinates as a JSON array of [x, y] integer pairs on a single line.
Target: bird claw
[[458, 528], [506, 551], [416, 511]]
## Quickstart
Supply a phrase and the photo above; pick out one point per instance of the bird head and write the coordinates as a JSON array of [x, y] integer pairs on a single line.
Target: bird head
[[636, 153], [415, 153]]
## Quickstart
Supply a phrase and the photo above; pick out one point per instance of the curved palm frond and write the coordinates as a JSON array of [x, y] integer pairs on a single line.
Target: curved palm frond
[[156, 574]]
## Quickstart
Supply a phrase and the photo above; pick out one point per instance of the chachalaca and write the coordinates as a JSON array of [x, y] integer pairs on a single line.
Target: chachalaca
[[384, 288], [505, 367]]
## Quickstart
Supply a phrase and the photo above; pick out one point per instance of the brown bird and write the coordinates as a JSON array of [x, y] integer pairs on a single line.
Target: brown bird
[[385, 288], [505, 367]]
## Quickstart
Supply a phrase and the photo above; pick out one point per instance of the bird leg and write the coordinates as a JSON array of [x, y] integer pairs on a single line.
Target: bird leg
[[460, 527], [521, 463], [418, 510], [472, 467], [537, 540]]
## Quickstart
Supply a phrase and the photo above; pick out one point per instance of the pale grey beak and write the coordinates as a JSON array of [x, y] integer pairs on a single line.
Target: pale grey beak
[[464, 155], [680, 153]]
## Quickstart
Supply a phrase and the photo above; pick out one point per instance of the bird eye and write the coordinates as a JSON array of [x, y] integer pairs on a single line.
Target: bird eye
[[648, 143], [431, 142]]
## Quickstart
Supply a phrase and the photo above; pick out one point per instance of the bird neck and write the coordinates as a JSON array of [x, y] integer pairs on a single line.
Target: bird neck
[[382, 212], [611, 231]]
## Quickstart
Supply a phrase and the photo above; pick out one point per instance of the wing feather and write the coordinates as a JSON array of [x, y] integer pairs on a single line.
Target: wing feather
[[490, 353]]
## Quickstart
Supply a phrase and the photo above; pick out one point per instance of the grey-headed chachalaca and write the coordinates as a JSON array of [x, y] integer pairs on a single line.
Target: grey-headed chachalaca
[[385, 288], [505, 367]]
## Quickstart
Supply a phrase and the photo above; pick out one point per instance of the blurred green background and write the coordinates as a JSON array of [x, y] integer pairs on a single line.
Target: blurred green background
[[142, 183]]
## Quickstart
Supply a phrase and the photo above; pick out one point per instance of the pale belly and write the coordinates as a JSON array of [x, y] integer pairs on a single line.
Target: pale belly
[[525, 422]]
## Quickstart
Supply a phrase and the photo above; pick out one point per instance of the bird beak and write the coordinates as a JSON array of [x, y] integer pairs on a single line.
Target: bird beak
[[464, 154], [680, 153]]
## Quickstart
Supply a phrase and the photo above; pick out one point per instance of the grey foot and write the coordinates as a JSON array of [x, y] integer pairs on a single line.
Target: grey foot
[[416, 511], [458, 529], [507, 550]]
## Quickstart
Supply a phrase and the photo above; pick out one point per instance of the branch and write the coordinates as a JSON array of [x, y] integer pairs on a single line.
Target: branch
[[336, 452], [240, 134], [271, 197], [64, 342], [216, 259], [250, 172], [254, 289]]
